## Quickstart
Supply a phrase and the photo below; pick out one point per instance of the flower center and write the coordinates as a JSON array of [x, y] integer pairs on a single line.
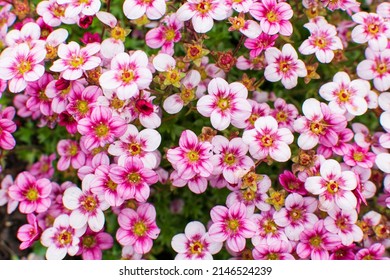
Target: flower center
[[332, 187], [134, 149], [24, 67], [320, 42], [248, 194], [253, 118], [381, 68], [64, 238], [73, 149], [373, 28], [118, 33], [341, 223], [111, 185], [269, 226], [237, 22], [101, 130], [223, 104], [32, 194], [358, 156], [272, 256], [76, 61], [140, 228], [127, 76], [89, 203], [58, 11], [295, 214], [194, 52], [82, 106], [187, 95], [267, 140], [89, 241], [315, 241], [196, 247], [230, 159], [281, 116], [193, 156], [344, 95], [317, 127], [233, 225], [272, 16], [284, 66], [116, 103], [169, 34], [203, 7], [134, 177]]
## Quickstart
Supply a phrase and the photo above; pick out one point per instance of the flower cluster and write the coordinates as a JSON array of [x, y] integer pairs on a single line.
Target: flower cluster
[[197, 129]]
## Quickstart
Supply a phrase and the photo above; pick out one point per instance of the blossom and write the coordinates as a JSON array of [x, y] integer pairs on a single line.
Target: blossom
[[374, 252], [7, 18], [81, 101], [128, 74], [259, 44], [284, 65], [322, 41], [192, 157], [32, 194], [70, 154], [334, 186], [77, 8], [4, 194], [225, 103], [134, 9], [359, 156], [75, 60], [7, 126], [22, 64], [138, 228], [61, 238], [202, 13], [29, 233], [273, 16], [267, 139], [53, 14], [231, 225], [92, 243], [273, 251], [195, 243], [87, 207]]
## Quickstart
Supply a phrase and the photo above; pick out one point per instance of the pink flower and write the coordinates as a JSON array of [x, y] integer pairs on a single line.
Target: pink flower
[[259, 44], [317, 242], [371, 28], [358, 156], [230, 157], [7, 18], [225, 103], [374, 252], [334, 186], [195, 243], [32, 194], [165, 35], [53, 13], [196, 184], [202, 13], [297, 215], [4, 194], [318, 125], [285, 114], [138, 144], [267, 139], [128, 75], [323, 40], [29, 233], [70, 154], [192, 157], [231, 225], [100, 128], [284, 65], [291, 183], [44, 167], [154, 9], [87, 207], [138, 228], [78, 8], [133, 179], [377, 68], [343, 223], [38, 100], [345, 95], [267, 231], [273, 16], [128, 253], [82, 100], [142, 108], [7, 126], [61, 238], [22, 65], [92, 243], [274, 251], [73, 60], [258, 110]]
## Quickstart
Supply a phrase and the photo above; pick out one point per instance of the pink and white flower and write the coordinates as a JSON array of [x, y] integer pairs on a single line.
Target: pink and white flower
[[80, 101], [267, 139], [128, 74], [75, 60], [371, 28], [29, 233], [7, 126], [76, 8], [273, 251], [7, 18], [202, 13], [225, 103], [70, 154], [195, 243], [231, 225], [334, 186], [345, 95], [154, 9], [53, 14], [273, 16], [32, 194], [61, 239], [22, 64], [87, 207], [374, 252], [359, 156], [259, 44], [284, 65], [92, 243], [4, 194], [29, 34], [284, 113], [138, 228], [322, 41]]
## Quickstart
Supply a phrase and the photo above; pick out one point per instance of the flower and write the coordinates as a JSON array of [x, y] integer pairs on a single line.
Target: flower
[[70, 154], [138, 228], [195, 243], [87, 207], [225, 103], [231, 225], [135, 9], [32, 194], [284, 65], [7, 126], [92, 243], [267, 139], [4, 194], [374, 252], [128, 74], [74, 60], [76, 8], [29, 233], [334, 186]]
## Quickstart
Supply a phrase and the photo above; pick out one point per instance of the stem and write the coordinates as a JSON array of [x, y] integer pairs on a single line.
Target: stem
[[239, 45]]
